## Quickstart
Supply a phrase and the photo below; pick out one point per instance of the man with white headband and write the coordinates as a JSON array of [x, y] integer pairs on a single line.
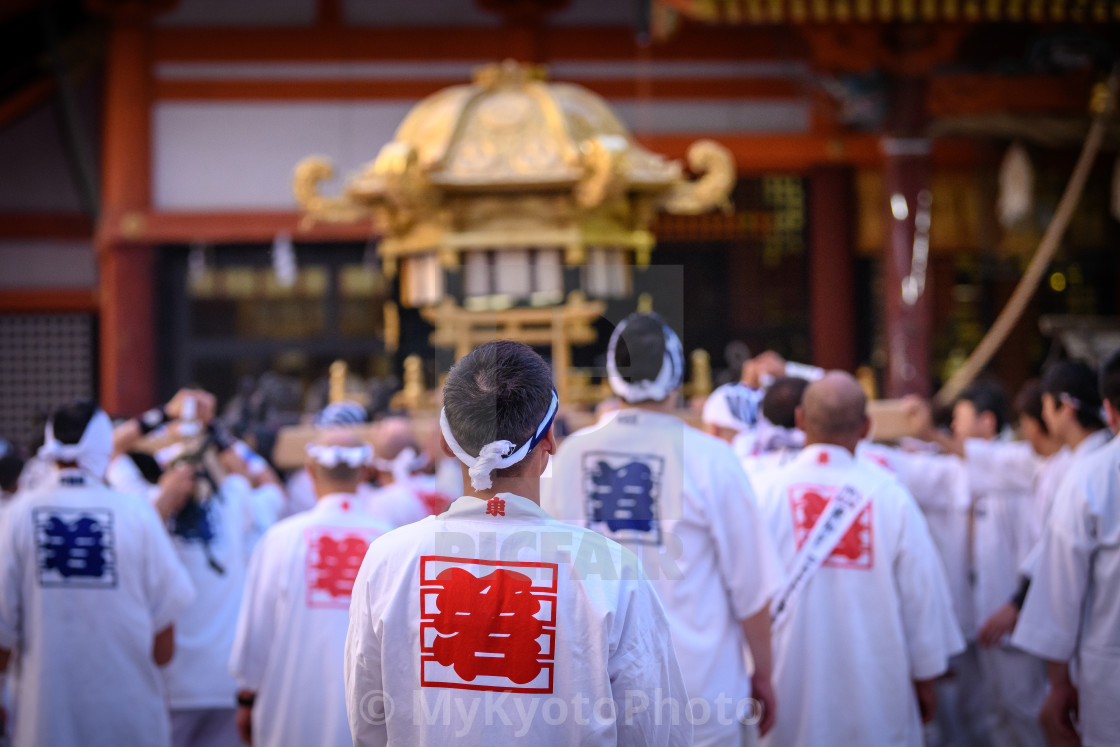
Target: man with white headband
[[89, 590], [681, 501], [494, 624], [397, 499], [287, 656]]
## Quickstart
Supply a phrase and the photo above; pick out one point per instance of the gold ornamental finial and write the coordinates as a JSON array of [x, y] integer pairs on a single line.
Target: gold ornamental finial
[[701, 384], [338, 373]]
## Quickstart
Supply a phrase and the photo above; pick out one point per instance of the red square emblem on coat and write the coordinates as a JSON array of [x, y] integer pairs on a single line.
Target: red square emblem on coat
[[487, 625], [334, 556], [855, 549]]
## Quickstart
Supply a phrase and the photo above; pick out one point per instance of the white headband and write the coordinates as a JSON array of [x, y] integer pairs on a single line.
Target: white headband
[[93, 450], [332, 456], [492, 456], [402, 465], [668, 378]]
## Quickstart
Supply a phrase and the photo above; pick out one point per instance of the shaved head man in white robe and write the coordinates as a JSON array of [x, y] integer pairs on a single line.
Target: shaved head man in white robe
[[860, 635]]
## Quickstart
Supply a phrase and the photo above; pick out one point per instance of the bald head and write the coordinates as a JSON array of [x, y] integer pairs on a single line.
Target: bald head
[[393, 436], [834, 411], [341, 477]]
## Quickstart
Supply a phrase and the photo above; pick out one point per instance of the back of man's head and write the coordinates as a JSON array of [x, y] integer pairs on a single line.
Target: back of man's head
[[834, 411], [1110, 380], [500, 391], [336, 465], [987, 396], [640, 351], [69, 421], [782, 398], [1028, 403], [1075, 383]]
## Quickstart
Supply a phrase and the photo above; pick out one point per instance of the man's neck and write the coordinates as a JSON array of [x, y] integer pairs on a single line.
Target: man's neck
[[1077, 436], [523, 485], [665, 406], [848, 444]]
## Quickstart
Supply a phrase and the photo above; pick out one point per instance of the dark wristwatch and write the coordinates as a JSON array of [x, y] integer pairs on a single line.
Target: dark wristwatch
[[246, 701]]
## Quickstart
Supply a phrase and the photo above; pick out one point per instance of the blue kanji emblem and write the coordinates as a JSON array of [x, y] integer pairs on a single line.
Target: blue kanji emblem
[[75, 547], [623, 496], [622, 492]]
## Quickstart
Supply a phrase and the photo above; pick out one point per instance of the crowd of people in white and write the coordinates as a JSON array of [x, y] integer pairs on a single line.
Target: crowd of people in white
[[782, 578]]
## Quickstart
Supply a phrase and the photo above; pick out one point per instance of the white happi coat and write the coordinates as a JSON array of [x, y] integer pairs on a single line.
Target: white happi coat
[[1049, 481], [1072, 611], [291, 634], [494, 624], [198, 676], [872, 619], [88, 577], [397, 504], [680, 500]]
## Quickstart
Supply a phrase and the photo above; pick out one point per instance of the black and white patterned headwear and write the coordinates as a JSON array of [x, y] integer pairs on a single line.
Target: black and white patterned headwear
[[346, 412], [668, 378]]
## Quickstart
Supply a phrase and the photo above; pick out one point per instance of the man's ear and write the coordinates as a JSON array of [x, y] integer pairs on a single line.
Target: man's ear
[[548, 443], [865, 429], [445, 448], [988, 419], [799, 418]]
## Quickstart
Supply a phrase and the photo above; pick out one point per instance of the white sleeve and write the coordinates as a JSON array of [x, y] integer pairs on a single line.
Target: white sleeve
[[11, 580], [745, 554], [932, 631], [362, 665], [256, 623], [999, 466], [167, 584], [1051, 616], [644, 663], [936, 481]]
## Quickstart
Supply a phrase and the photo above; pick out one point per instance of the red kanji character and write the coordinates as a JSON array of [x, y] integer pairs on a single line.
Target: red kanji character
[[853, 549], [496, 507], [487, 625], [333, 564]]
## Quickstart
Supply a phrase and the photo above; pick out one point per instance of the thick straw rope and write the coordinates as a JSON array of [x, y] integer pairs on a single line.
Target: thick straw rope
[[1102, 106]]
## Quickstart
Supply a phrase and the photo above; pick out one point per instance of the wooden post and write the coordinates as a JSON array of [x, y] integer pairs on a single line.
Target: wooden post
[[908, 316], [909, 312], [831, 274], [127, 323]]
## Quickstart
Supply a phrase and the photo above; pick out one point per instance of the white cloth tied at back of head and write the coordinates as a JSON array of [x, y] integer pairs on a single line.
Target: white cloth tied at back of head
[[402, 465], [668, 378], [496, 454], [93, 450], [332, 456]]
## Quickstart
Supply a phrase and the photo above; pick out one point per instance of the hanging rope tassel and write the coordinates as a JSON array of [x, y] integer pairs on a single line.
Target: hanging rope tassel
[[1016, 186]]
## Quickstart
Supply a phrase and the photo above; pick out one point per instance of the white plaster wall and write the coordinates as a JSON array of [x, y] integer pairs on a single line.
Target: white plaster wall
[[47, 264], [240, 156]]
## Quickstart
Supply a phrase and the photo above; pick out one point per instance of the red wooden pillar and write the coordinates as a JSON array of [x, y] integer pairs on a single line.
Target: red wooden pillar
[[831, 271], [906, 292], [126, 265]]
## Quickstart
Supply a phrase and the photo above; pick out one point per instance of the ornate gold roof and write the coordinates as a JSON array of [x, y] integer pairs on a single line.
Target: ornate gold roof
[[511, 160]]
